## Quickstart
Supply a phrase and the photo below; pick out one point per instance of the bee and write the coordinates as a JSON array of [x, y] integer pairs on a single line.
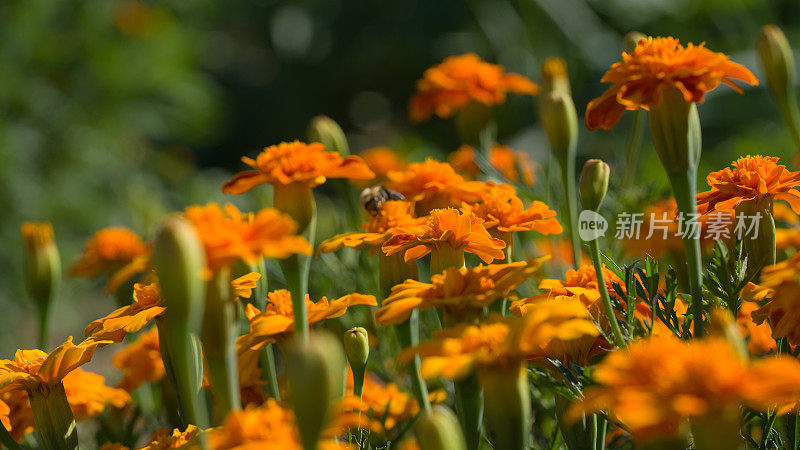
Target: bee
[[373, 198]]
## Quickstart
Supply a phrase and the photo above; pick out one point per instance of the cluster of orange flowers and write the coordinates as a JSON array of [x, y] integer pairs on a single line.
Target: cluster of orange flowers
[[468, 225]]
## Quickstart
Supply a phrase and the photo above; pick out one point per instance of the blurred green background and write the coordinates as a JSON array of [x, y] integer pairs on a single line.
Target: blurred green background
[[115, 112]]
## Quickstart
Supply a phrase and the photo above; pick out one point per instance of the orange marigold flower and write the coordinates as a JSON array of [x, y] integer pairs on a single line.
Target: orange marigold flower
[[512, 164], [269, 426], [277, 320], [447, 227], [459, 80], [296, 162], [394, 215], [147, 305], [140, 361], [758, 336], [503, 212], [382, 160], [88, 394], [657, 63], [164, 439], [244, 285], [386, 404], [655, 385], [32, 368], [501, 341], [461, 293], [752, 178], [433, 184], [110, 251], [779, 283], [16, 413], [228, 235]]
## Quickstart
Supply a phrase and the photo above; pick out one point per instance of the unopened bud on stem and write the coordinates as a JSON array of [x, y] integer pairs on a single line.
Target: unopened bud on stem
[[593, 184]]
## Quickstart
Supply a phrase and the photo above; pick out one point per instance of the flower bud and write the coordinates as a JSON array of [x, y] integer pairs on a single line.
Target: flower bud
[[555, 76], [316, 376], [593, 184], [356, 347], [438, 429], [560, 122], [631, 40], [675, 127], [325, 130], [42, 267], [777, 59], [179, 260]]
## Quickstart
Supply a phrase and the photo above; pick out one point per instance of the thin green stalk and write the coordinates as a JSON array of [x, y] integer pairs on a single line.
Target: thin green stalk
[[469, 406], [181, 362], [633, 145], [768, 430], [571, 210], [684, 189], [616, 332], [44, 315], [268, 353], [408, 334], [791, 115], [797, 431], [296, 269]]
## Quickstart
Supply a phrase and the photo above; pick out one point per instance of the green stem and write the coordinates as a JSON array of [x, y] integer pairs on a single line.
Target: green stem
[[297, 200], [768, 429], [219, 344], [791, 115], [268, 354], [616, 332], [182, 363], [796, 431], [632, 147], [507, 407], [55, 423], [408, 334], [571, 209], [469, 406], [44, 315], [684, 189]]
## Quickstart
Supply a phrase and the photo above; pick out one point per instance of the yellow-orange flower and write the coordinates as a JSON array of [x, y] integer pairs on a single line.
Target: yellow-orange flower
[[460, 293], [450, 228], [164, 439], [382, 160], [779, 283], [269, 426], [460, 80], [116, 251], [432, 184], [512, 164], [88, 394], [502, 210], [32, 368], [16, 413], [752, 178], [394, 215], [140, 361], [655, 385], [502, 341], [228, 235], [276, 322], [758, 335], [657, 63], [147, 305], [296, 162], [385, 404]]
